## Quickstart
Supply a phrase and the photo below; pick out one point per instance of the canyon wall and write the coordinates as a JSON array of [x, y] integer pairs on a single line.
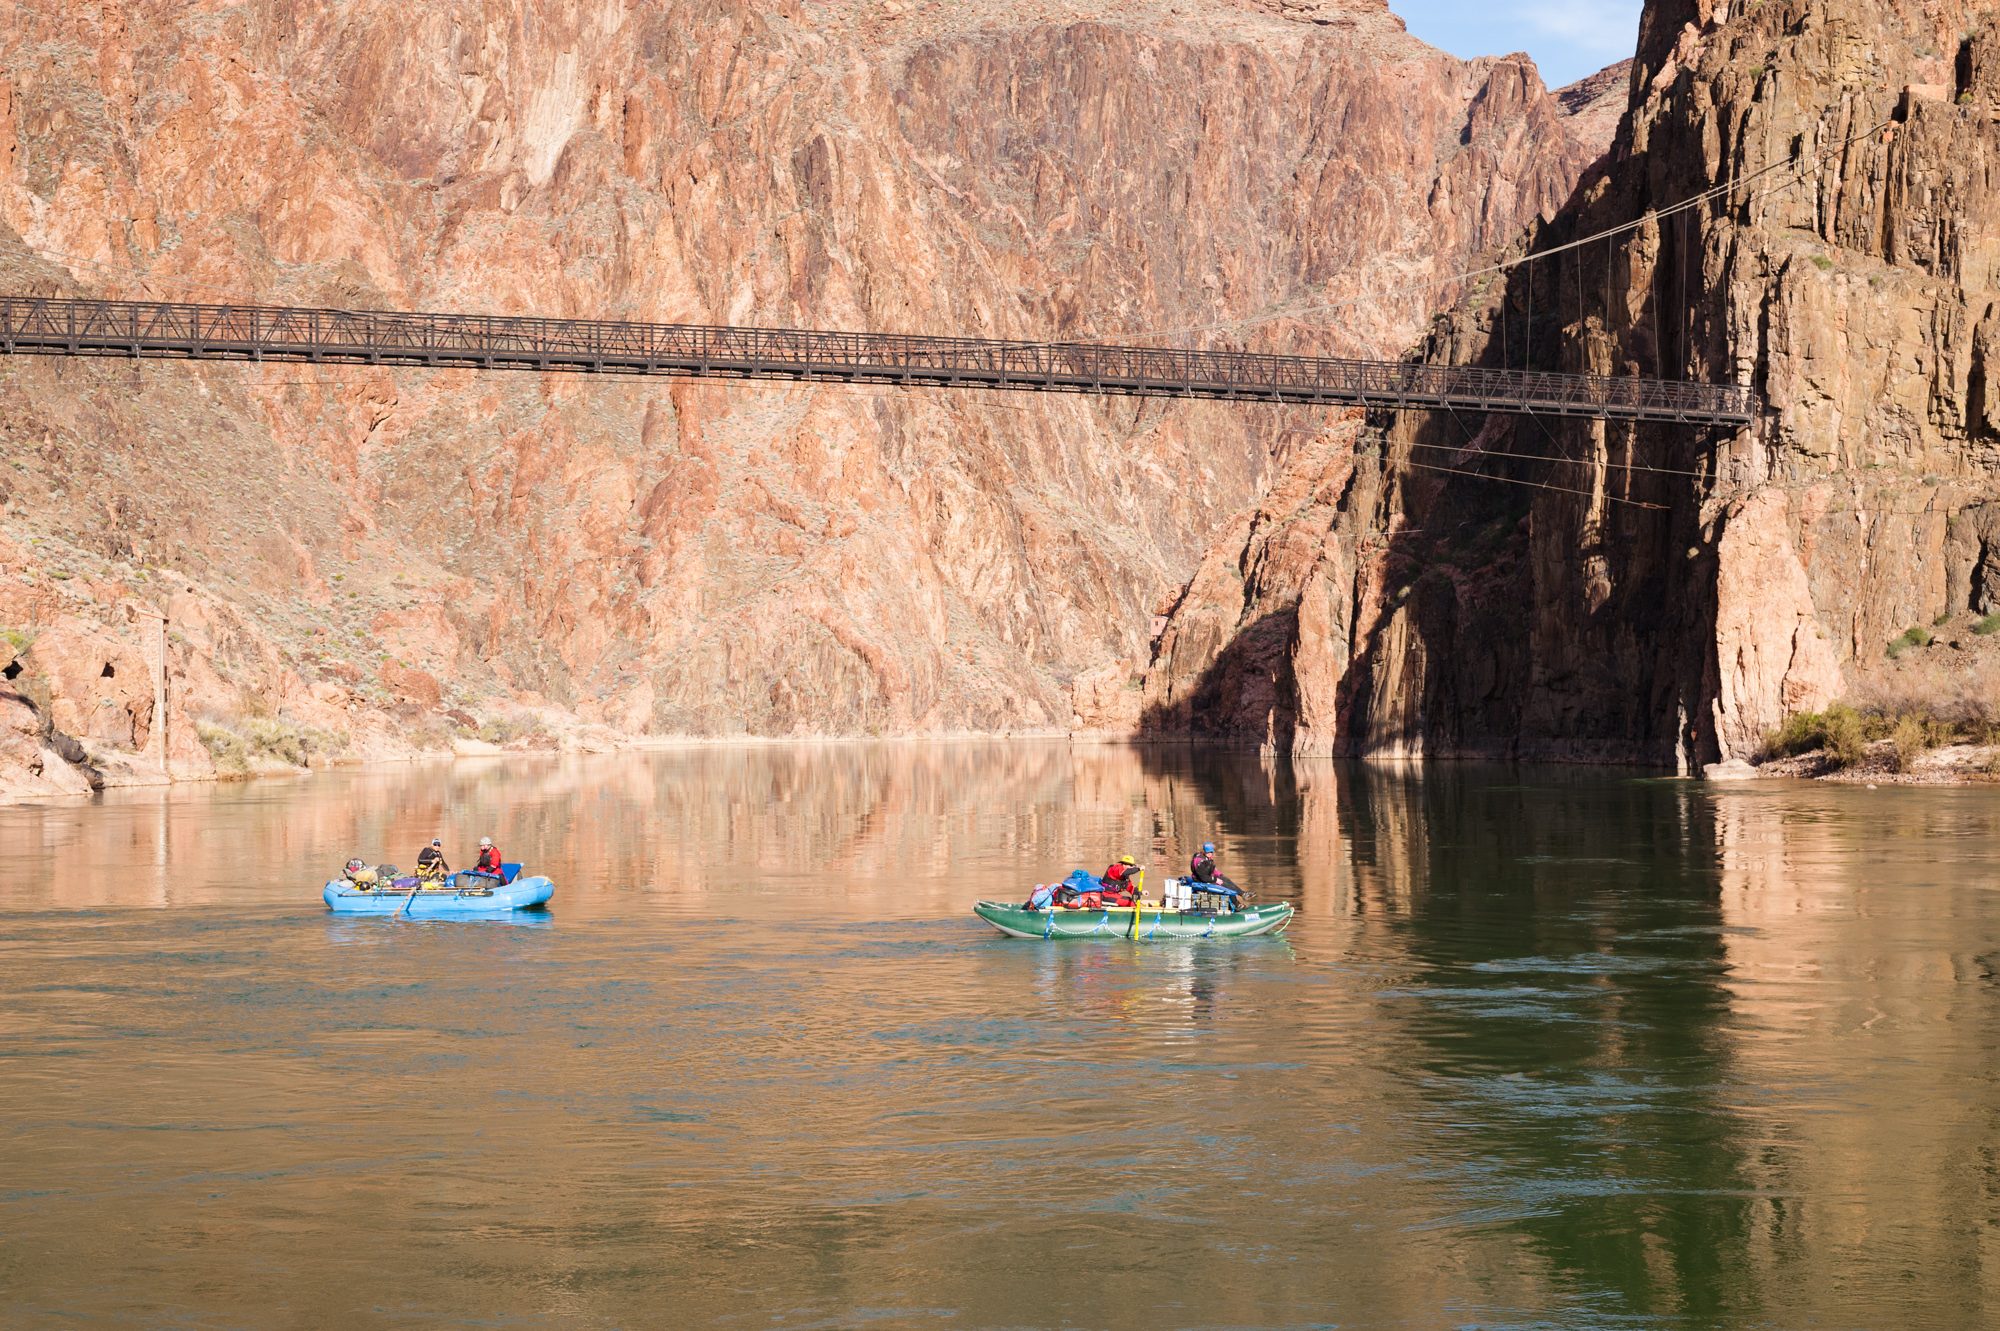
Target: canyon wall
[[359, 561], [1667, 595]]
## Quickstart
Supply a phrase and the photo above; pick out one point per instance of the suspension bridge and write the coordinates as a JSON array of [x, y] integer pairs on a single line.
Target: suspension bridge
[[52, 326]]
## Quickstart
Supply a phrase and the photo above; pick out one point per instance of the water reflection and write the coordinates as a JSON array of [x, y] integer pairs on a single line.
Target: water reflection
[[1566, 1005], [1545, 1049]]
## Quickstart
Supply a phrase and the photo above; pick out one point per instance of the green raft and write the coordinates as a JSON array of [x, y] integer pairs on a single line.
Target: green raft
[[1152, 922]]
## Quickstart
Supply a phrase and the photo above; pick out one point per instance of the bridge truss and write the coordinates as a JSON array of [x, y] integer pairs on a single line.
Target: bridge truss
[[35, 325]]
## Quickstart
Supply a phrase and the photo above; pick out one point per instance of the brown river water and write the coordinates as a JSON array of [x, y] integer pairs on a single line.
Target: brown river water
[[1542, 1049]]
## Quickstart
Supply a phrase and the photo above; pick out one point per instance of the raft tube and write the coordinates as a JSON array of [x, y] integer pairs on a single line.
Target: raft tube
[[460, 896], [1145, 923]]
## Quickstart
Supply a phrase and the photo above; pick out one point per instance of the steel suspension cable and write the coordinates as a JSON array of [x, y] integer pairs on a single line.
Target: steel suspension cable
[[1800, 168]]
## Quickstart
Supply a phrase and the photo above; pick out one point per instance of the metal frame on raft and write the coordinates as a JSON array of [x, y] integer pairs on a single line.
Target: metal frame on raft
[[38, 325]]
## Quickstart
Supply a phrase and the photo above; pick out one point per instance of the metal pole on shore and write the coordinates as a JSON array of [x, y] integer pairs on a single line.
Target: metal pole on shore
[[160, 697]]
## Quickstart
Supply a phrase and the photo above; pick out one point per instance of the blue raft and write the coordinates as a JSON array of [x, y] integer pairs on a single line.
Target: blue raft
[[460, 896]]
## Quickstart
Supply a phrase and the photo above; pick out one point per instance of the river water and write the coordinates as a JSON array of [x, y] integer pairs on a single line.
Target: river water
[[1543, 1049]]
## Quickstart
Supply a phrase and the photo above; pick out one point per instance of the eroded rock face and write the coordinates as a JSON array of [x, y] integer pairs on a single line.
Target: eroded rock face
[[372, 551], [1851, 288], [1661, 594], [1279, 636]]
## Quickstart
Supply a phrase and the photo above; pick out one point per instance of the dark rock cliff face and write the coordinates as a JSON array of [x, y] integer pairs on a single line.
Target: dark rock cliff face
[[1666, 595]]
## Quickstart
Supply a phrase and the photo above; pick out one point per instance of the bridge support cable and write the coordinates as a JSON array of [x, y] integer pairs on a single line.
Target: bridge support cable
[[37, 325]]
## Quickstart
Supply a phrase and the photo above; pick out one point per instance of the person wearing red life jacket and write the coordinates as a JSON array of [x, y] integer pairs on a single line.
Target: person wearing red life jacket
[[1124, 882], [489, 859]]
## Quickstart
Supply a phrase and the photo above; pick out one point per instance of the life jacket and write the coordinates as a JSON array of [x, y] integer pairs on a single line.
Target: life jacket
[[1121, 883], [489, 861], [1202, 867]]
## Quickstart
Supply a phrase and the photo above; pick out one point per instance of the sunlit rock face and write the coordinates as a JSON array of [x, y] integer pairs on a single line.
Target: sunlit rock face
[[1664, 594], [388, 556]]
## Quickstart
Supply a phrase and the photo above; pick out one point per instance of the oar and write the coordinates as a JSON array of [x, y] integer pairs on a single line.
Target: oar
[[408, 899]]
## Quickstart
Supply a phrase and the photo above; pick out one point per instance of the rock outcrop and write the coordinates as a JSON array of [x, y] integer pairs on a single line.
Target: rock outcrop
[[359, 559], [1660, 594], [35, 757]]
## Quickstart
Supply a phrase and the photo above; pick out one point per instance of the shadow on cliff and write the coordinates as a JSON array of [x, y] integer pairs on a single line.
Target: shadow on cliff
[[1543, 579], [1246, 696], [1527, 587]]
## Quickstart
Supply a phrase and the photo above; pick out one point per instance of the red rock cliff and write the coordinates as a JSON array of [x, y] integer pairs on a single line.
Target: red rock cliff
[[360, 560]]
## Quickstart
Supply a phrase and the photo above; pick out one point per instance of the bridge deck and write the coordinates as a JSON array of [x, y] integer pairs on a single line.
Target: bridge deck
[[52, 326]]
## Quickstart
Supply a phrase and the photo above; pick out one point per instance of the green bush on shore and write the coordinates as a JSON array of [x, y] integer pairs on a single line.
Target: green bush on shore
[[1840, 732], [1910, 740], [1843, 732], [1987, 626]]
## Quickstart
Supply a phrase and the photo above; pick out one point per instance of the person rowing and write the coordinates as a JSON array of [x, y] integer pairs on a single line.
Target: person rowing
[[431, 867], [1124, 882]]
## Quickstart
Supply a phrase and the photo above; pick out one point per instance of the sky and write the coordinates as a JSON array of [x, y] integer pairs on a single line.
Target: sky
[[1567, 38]]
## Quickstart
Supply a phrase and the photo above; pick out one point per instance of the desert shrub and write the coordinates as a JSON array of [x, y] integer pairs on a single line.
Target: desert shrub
[[1821, 262], [1988, 626], [1943, 618], [274, 737], [225, 746], [1911, 738], [260, 739], [522, 733], [1914, 636], [430, 732], [21, 640], [1845, 736], [1800, 734], [500, 730], [1840, 732]]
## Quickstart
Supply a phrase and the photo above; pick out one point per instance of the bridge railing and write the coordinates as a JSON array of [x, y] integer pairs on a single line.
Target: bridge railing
[[161, 328]]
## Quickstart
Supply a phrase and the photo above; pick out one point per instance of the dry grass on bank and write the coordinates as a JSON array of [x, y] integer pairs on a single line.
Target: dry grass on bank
[[244, 746], [1844, 736], [1931, 692]]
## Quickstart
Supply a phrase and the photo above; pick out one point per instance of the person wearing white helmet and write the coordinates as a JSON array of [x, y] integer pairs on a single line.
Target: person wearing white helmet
[[489, 859]]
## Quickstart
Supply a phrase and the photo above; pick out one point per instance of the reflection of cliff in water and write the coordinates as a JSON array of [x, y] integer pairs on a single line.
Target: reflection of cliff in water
[[885, 827], [1863, 963], [1568, 1023], [1543, 1048]]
